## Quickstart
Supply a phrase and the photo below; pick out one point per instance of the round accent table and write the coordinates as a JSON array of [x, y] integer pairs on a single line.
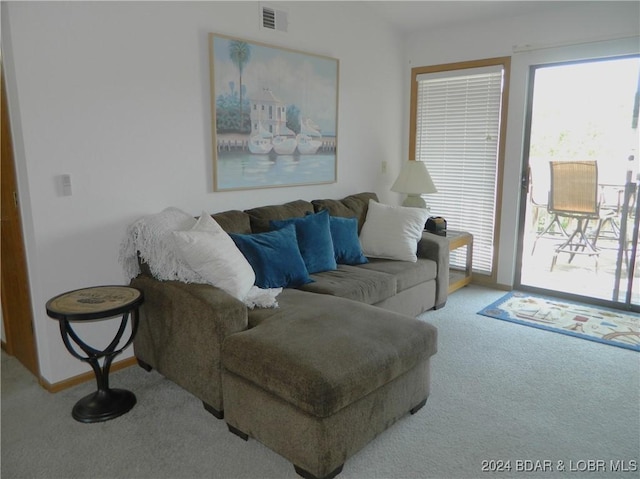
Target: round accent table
[[96, 303]]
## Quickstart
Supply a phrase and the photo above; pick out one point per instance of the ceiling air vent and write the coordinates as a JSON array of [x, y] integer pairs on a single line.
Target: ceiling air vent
[[273, 19]]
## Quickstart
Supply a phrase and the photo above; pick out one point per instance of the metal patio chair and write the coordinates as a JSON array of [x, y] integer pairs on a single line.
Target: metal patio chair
[[539, 183], [574, 194]]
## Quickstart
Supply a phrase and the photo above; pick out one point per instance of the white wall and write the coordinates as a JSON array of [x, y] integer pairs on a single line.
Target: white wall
[[549, 34], [116, 94]]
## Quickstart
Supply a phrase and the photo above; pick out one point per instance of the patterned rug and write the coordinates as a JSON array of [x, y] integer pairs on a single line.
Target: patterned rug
[[608, 326]]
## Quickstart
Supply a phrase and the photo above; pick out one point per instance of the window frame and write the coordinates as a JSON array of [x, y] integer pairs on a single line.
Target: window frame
[[505, 62]]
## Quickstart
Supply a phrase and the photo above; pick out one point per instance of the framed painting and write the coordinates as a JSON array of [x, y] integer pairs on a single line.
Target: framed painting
[[274, 115]]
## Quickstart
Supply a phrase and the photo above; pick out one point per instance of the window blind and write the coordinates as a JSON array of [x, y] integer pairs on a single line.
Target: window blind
[[457, 136]]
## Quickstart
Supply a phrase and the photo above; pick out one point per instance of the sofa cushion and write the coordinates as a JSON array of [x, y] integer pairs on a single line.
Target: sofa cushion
[[354, 206], [346, 244], [314, 240], [323, 353], [261, 217], [353, 282], [407, 273], [392, 232], [275, 257]]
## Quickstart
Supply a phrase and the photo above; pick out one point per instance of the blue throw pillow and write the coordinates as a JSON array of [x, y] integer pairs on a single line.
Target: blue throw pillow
[[274, 257], [346, 244], [314, 240]]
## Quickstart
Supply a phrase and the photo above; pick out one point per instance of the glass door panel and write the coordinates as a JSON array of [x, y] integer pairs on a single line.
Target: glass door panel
[[583, 111]]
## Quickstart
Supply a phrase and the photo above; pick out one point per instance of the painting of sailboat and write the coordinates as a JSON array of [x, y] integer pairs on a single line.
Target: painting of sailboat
[[274, 115], [307, 145], [284, 145], [259, 145], [260, 140]]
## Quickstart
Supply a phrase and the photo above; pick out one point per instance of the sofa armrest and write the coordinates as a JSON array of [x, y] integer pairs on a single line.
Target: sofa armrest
[[181, 331], [436, 248]]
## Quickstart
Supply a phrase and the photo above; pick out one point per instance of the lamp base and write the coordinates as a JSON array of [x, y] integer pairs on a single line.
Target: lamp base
[[415, 201]]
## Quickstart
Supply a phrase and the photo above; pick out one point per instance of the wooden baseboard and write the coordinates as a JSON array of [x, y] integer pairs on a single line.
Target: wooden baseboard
[[503, 287], [489, 283], [84, 377]]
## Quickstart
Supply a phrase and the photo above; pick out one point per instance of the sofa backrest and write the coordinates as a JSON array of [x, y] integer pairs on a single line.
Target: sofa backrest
[[261, 216], [349, 207], [233, 221], [256, 220]]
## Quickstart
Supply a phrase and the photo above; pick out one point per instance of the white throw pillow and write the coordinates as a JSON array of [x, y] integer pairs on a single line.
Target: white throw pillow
[[392, 232], [211, 253]]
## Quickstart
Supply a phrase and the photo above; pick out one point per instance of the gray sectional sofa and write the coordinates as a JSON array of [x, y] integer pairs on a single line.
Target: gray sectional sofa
[[338, 361]]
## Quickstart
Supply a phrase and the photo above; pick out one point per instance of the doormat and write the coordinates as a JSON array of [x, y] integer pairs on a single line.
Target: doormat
[[607, 326]]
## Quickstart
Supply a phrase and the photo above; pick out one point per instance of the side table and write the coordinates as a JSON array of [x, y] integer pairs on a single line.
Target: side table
[[97, 303], [457, 277], [460, 277]]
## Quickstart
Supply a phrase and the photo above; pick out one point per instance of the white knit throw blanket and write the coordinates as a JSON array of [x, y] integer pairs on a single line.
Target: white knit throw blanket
[[151, 237]]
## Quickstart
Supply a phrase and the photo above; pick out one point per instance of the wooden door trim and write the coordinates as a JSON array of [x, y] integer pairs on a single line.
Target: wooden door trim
[[17, 314]]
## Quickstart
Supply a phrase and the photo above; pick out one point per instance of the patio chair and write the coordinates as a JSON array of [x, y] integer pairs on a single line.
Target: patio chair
[[614, 214], [539, 183], [574, 194], [610, 212]]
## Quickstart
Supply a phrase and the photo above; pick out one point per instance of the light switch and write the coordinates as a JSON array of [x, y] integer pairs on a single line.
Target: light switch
[[66, 185]]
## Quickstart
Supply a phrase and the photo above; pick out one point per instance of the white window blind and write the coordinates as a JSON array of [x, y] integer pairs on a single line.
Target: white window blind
[[457, 136]]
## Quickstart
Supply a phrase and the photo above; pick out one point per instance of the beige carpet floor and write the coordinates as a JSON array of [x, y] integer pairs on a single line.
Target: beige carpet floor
[[500, 392]]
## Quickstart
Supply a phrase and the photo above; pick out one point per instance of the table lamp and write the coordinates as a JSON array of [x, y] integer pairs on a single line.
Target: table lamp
[[414, 180]]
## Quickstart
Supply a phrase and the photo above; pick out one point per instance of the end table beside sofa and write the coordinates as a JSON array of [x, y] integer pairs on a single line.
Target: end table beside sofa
[[90, 304], [338, 361]]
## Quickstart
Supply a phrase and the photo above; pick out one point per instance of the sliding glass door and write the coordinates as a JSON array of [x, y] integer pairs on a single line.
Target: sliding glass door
[[586, 113]]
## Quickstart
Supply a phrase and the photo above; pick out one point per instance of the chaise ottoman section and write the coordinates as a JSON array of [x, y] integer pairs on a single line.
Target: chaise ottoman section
[[317, 386]]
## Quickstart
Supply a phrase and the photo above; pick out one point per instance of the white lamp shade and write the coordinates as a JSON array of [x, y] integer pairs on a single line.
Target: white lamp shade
[[414, 179]]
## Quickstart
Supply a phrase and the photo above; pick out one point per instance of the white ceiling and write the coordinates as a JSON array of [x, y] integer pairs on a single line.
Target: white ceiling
[[409, 16]]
